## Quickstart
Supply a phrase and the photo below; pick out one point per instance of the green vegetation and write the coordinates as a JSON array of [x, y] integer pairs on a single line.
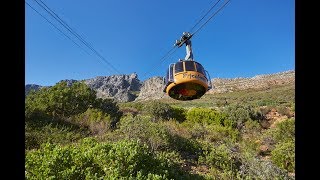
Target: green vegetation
[[72, 134]]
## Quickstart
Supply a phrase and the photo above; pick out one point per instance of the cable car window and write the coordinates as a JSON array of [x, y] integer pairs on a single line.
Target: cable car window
[[189, 65], [167, 77], [200, 69], [171, 72], [178, 67]]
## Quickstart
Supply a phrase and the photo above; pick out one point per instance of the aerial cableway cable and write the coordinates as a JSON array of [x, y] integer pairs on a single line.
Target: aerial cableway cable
[[204, 15], [211, 17], [57, 28], [65, 25], [169, 53]]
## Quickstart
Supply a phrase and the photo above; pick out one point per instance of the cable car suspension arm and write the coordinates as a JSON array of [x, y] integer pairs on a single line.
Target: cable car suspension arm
[[185, 39]]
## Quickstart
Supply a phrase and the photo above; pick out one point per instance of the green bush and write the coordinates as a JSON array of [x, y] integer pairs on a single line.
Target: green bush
[[179, 114], [284, 131], [205, 116], [109, 107], [100, 160], [155, 135], [56, 162], [95, 119], [219, 157], [158, 110], [41, 131], [255, 168], [284, 155], [252, 127], [221, 133], [61, 100], [239, 114]]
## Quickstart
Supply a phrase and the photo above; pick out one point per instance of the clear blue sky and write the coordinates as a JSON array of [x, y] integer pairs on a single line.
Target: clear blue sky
[[246, 38]]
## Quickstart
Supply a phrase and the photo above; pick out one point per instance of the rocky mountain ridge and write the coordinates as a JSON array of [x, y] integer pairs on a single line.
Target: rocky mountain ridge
[[126, 88], [263, 81]]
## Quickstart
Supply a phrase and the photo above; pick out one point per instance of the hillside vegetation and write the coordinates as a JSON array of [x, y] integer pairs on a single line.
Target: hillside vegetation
[[72, 134]]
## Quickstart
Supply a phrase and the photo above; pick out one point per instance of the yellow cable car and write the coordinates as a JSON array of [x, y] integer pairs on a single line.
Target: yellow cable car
[[186, 79]]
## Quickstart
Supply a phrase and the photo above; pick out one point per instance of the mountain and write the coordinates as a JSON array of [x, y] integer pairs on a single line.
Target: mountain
[[264, 81], [30, 87], [122, 88], [152, 88], [126, 88]]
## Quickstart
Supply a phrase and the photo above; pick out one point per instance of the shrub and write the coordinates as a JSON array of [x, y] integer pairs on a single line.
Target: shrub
[[239, 114], [158, 110], [205, 116], [254, 168], [284, 155], [221, 133], [95, 119], [56, 162], [179, 114], [284, 131], [59, 132], [101, 160], [252, 127], [155, 135], [61, 100], [109, 107], [219, 157]]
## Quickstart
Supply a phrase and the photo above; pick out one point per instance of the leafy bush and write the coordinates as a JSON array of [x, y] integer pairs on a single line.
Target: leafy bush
[[239, 114], [252, 127], [56, 162], [205, 116], [109, 107], [221, 158], [93, 160], [283, 132], [254, 168], [178, 113], [95, 119], [61, 100], [158, 110], [41, 131], [221, 133], [155, 135], [284, 155]]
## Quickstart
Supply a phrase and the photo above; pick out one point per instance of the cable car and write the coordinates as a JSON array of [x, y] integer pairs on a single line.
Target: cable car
[[186, 79]]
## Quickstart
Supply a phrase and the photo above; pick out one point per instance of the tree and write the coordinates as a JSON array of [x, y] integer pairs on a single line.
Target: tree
[[60, 100]]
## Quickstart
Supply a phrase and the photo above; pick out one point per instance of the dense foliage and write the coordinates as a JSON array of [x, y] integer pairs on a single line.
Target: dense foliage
[[72, 134]]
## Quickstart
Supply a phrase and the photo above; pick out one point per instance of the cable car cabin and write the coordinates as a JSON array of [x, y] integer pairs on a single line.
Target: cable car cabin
[[186, 80]]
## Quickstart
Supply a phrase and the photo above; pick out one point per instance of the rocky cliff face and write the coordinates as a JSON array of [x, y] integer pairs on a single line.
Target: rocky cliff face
[[125, 88], [30, 87], [120, 87], [221, 85], [152, 88]]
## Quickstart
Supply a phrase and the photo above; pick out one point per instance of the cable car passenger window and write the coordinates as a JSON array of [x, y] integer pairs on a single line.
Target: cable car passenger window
[[189, 65], [167, 77], [178, 67], [200, 69], [171, 72]]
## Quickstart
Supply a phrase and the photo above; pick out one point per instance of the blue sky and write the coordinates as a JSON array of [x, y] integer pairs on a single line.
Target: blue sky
[[246, 38]]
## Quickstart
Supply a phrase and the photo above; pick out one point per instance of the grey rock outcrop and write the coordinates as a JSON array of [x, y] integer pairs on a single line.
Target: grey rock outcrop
[[122, 88], [30, 87], [152, 88], [125, 88], [264, 81]]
